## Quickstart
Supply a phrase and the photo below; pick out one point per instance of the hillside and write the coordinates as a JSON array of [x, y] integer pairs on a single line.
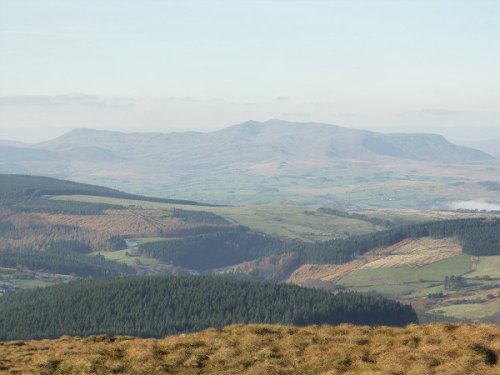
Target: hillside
[[489, 146], [411, 253], [404, 254], [46, 241], [46, 238], [25, 188], [157, 306], [269, 349], [266, 162], [447, 268]]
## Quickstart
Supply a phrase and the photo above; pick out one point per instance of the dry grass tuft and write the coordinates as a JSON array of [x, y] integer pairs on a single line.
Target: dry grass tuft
[[268, 349]]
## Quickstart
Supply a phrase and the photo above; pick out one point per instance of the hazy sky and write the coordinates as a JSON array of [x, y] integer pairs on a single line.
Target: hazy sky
[[416, 65]]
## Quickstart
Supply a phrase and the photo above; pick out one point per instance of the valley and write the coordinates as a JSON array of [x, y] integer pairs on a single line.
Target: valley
[[107, 232], [249, 187]]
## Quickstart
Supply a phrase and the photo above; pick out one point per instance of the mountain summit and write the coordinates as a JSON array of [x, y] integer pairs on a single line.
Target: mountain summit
[[268, 140], [254, 162]]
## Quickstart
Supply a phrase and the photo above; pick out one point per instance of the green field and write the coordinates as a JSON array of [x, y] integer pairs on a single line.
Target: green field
[[127, 256], [487, 266], [470, 310], [430, 289], [417, 283], [286, 220], [406, 280], [437, 271], [390, 290], [31, 283], [343, 184], [283, 221]]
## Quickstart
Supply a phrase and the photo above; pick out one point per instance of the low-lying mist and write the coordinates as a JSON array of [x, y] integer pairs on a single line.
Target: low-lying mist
[[475, 204]]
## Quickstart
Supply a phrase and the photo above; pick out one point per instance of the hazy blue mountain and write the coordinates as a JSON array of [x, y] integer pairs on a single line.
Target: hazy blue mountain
[[259, 141], [491, 146], [16, 154], [253, 162]]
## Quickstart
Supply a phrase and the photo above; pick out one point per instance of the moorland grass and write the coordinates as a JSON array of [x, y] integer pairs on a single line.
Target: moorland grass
[[269, 349]]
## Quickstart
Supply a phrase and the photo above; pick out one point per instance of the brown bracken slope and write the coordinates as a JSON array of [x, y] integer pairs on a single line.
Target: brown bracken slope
[[268, 349]]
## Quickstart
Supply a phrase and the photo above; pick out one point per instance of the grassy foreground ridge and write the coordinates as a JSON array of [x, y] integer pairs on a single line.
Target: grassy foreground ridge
[[268, 349]]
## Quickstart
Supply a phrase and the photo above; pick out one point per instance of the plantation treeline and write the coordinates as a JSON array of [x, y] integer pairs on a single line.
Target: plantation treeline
[[353, 215], [31, 241], [226, 248], [199, 217], [158, 306], [24, 193], [51, 206], [63, 261], [55, 248], [36, 234], [214, 250], [477, 236], [208, 240]]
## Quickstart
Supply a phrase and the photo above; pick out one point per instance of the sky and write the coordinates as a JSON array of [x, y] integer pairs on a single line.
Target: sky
[[144, 65]]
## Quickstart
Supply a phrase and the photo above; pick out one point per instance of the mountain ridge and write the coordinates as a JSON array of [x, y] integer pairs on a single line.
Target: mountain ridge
[[278, 138], [258, 162], [364, 144]]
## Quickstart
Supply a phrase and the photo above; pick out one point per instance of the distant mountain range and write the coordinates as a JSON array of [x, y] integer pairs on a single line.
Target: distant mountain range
[[256, 141], [153, 163]]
